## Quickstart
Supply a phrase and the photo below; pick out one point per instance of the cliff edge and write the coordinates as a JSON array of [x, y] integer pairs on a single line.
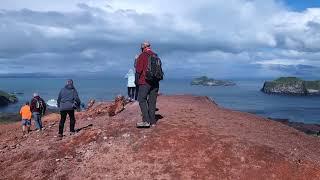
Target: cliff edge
[[194, 139]]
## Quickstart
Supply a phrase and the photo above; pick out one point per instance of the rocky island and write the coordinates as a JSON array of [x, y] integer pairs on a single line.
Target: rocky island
[[205, 81], [6, 99], [291, 86]]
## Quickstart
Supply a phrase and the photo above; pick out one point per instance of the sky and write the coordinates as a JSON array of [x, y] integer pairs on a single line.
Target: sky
[[238, 39]]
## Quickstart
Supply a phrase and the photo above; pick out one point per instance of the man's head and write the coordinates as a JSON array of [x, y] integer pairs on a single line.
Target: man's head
[[27, 103], [69, 82], [145, 45], [35, 94]]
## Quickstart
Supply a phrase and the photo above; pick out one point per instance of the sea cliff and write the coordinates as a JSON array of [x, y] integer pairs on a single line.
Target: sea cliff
[[291, 86]]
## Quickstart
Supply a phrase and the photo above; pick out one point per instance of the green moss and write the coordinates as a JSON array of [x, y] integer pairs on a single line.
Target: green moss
[[288, 80]]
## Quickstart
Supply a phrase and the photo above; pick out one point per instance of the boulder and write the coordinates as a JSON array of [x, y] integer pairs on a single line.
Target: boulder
[[6, 99], [117, 106]]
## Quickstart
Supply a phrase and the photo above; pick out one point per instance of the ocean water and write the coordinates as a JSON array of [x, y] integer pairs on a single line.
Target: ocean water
[[245, 96]]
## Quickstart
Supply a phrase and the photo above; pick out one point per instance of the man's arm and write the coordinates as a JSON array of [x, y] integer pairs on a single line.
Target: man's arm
[[76, 97], [141, 62], [44, 106], [32, 105], [59, 99]]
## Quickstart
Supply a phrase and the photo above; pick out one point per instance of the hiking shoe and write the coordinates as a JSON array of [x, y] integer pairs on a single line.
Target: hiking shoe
[[143, 124], [60, 136]]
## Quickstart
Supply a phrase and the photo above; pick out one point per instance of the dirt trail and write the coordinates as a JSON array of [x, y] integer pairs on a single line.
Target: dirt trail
[[194, 139]]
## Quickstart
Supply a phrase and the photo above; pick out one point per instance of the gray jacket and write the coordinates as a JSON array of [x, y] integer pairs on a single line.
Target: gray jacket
[[68, 98]]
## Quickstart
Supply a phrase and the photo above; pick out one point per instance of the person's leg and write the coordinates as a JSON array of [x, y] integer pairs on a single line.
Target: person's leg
[[133, 90], [142, 98], [23, 129], [129, 92], [36, 120], [152, 103], [63, 115], [137, 92], [28, 128], [40, 121], [72, 121]]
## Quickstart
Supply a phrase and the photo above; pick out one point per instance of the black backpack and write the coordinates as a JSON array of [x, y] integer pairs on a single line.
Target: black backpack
[[154, 71], [39, 105]]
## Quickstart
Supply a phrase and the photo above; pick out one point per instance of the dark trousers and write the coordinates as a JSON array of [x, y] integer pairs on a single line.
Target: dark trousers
[[131, 92], [137, 92], [63, 120], [147, 100]]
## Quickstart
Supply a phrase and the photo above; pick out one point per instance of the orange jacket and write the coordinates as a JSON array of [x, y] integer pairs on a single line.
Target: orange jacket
[[25, 112]]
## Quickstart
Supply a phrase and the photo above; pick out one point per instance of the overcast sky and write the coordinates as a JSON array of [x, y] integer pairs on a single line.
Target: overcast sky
[[219, 38]]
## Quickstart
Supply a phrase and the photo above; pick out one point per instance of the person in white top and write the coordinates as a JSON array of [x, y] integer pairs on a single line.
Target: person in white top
[[131, 84]]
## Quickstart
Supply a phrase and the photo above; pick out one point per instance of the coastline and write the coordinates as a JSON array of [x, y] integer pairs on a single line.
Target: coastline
[[307, 128], [310, 129], [8, 118]]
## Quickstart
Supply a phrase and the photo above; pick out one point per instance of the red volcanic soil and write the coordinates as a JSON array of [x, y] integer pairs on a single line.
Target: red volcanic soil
[[194, 139]]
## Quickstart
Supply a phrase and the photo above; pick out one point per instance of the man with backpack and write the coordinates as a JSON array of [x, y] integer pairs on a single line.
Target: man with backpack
[[149, 72], [67, 102], [38, 108]]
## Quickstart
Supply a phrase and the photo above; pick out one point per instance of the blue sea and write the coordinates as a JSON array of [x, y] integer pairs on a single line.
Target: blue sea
[[245, 96]]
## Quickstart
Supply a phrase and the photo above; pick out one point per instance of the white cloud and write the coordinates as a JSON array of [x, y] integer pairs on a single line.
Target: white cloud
[[209, 35]]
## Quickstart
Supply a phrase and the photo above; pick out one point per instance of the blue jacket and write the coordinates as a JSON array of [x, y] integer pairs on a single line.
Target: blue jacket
[[68, 98]]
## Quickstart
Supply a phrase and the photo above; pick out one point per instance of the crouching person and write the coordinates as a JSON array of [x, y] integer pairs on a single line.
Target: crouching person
[[26, 114], [68, 101]]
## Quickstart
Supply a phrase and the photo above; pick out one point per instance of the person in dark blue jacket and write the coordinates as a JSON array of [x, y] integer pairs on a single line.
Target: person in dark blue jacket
[[67, 102]]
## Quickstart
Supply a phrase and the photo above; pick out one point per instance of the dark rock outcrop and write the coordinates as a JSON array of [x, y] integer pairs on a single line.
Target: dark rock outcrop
[[291, 86], [311, 129], [205, 81], [6, 99]]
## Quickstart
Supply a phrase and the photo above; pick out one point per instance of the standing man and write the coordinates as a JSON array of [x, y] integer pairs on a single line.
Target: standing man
[[149, 72], [67, 102], [38, 108]]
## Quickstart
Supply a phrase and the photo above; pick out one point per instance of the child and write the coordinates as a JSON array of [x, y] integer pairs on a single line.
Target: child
[[26, 118]]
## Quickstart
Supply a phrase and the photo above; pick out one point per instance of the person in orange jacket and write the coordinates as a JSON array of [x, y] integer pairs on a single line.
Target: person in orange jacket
[[26, 114]]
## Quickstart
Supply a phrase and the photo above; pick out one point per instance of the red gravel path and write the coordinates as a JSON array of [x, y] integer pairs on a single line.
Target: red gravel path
[[195, 139]]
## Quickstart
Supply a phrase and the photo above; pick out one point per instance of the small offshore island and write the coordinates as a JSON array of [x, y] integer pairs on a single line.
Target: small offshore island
[[205, 81], [6, 99], [291, 86]]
